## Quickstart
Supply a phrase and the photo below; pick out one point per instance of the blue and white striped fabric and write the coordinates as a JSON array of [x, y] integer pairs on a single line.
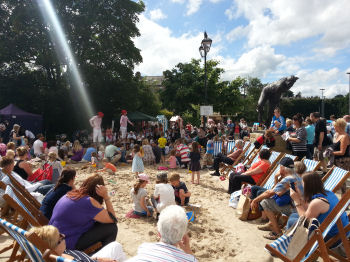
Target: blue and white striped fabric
[[247, 153], [310, 165], [62, 259], [274, 156], [335, 177], [256, 158], [230, 146], [19, 235], [10, 193], [291, 156], [281, 244], [217, 147], [271, 181], [246, 144]]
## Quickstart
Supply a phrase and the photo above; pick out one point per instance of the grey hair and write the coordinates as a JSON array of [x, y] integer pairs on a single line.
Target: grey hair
[[289, 170], [240, 143], [172, 224]]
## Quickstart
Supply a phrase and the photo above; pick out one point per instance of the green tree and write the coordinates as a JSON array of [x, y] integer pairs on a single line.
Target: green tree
[[34, 72], [184, 86]]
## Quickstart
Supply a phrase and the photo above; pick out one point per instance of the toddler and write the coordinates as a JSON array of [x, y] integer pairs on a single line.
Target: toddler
[[195, 165], [137, 163], [172, 159], [182, 195]]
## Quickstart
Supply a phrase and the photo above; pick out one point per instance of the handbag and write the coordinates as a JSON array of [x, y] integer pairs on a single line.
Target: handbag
[[44, 173], [244, 211], [300, 234]]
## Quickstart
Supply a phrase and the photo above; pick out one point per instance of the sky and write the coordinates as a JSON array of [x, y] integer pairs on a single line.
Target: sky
[[268, 39]]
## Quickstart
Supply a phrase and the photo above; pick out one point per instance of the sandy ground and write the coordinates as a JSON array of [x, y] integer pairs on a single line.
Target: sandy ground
[[216, 234]]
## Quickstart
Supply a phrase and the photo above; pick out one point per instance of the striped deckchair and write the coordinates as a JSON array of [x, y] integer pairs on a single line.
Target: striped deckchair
[[255, 158], [311, 165], [226, 169], [217, 148], [316, 245], [270, 181], [49, 257], [230, 146], [18, 234], [335, 178], [248, 154]]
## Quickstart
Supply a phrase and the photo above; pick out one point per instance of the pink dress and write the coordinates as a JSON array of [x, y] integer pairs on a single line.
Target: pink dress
[[172, 162]]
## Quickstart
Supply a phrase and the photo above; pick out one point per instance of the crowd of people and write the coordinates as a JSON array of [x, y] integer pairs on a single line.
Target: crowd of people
[[69, 233]]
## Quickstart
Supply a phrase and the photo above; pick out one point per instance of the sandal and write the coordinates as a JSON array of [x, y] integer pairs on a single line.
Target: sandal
[[265, 227], [262, 221], [272, 236]]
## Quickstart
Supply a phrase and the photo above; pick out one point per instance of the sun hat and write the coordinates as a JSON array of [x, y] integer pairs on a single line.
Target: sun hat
[[144, 177], [100, 114], [287, 162]]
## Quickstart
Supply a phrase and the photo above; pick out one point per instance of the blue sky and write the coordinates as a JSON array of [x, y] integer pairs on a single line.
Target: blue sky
[[268, 39]]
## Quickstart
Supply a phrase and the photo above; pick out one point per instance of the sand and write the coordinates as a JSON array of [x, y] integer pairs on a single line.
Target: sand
[[216, 234]]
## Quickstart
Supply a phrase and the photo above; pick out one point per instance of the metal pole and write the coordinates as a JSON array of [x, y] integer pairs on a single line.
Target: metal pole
[[349, 91], [205, 77], [322, 102]]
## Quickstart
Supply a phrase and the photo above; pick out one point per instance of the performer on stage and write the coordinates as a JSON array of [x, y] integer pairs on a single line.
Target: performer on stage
[[95, 123]]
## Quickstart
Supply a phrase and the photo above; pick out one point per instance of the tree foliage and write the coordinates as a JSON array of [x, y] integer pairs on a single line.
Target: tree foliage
[[34, 71]]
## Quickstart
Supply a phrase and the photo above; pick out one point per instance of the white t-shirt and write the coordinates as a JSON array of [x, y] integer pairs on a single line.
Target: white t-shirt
[[166, 196], [38, 144], [95, 122]]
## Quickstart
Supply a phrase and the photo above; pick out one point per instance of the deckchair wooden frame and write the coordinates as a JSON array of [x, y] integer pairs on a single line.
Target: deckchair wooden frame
[[225, 170], [24, 192], [322, 250], [340, 183]]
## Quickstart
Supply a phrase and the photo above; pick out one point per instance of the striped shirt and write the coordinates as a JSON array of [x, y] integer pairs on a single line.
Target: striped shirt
[[161, 252], [301, 135], [183, 150]]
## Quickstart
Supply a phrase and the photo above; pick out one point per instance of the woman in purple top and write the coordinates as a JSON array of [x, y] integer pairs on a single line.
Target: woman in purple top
[[78, 151], [80, 216]]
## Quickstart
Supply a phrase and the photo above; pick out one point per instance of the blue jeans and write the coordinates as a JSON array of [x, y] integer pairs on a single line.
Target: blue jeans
[[309, 151], [293, 218], [144, 213]]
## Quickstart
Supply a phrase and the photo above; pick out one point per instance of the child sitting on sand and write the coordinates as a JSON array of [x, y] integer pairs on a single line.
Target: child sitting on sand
[[138, 194], [182, 195], [163, 193], [172, 159]]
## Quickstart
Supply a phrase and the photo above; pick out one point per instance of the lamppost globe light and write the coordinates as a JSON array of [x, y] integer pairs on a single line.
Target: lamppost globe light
[[201, 51]]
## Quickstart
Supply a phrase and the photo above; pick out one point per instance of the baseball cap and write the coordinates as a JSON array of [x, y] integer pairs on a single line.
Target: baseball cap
[[287, 162], [124, 111], [144, 177]]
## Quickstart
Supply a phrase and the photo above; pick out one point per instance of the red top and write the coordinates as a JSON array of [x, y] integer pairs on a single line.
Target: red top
[[264, 166]]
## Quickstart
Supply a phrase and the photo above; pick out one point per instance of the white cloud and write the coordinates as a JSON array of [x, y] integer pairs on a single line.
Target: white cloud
[[237, 33], [161, 50], [257, 62], [157, 14], [276, 22], [178, 1], [215, 1], [310, 82], [193, 6]]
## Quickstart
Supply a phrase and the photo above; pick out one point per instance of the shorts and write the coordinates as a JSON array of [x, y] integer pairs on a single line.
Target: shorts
[[270, 204], [318, 154], [163, 151], [123, 130]]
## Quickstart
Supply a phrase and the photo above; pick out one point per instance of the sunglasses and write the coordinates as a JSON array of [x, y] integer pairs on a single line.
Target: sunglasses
[[60, 240]]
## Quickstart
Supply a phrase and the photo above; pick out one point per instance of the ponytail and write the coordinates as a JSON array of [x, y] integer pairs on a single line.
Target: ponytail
[[137, 186], [65, 177]]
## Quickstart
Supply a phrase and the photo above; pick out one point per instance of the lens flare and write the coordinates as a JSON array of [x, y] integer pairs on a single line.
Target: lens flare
[[61, 43]]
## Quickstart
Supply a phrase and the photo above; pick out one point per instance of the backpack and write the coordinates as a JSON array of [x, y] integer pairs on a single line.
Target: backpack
[[44, 173]]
